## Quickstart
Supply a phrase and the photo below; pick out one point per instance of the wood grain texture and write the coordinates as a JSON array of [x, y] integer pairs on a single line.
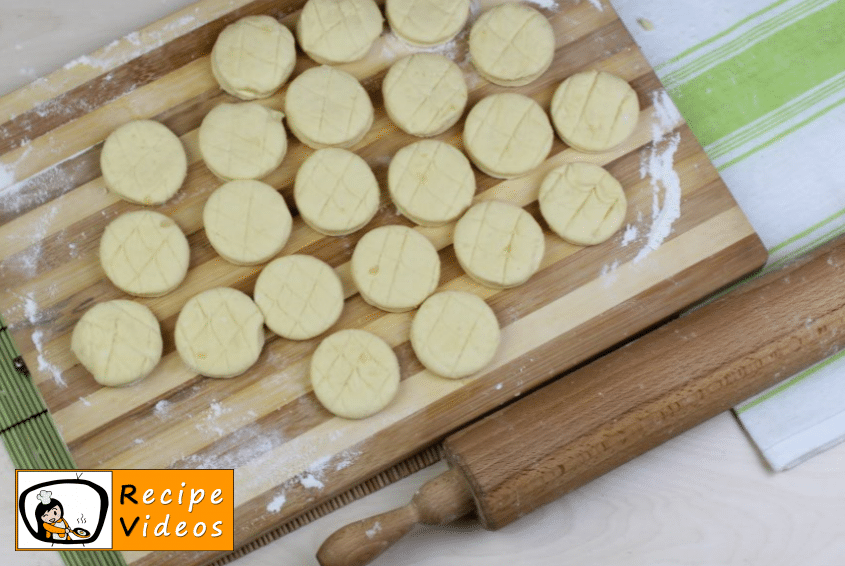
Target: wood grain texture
[[267, 424]]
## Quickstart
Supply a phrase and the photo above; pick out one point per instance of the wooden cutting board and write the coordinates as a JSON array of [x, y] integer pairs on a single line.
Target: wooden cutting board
[[684, 237]]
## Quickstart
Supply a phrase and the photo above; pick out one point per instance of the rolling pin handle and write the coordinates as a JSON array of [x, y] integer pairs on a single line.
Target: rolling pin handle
[[438, 502]]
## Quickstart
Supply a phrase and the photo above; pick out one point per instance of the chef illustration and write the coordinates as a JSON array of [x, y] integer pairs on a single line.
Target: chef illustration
[[49, 516]]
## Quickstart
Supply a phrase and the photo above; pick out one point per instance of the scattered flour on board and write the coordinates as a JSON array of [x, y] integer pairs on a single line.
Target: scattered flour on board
[[549, 4], [309, 481], [631, 233], [597, 5], [43, 364], [376, 529], [162, 408], [277, 503], [659, 165]]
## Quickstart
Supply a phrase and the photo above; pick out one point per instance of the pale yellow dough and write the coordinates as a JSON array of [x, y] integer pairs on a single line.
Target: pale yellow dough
[[395, 268], [119, 342], [253, 57], [427, 22], [336, 192], [431, 182], [424, 94], [512, 44], [354, 374], [143, 162], [507, 135], [144, 253], [338, 31], [247, 222], [220, 333], [583, 203], [594, 111], [499, 244], [327, 107], [242, 141], [455, 334], [300, 296]]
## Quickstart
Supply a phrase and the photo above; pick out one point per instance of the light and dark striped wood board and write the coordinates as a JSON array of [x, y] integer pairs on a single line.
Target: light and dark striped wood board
[[288, 452]]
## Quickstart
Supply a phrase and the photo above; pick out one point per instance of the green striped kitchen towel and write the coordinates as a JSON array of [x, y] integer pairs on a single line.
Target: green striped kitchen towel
[[761, 85]]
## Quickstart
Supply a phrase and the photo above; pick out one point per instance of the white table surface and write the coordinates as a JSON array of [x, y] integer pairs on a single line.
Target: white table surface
[[703, 498]]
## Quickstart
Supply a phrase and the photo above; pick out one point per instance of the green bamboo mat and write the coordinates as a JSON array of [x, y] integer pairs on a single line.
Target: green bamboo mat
[[31, 436]]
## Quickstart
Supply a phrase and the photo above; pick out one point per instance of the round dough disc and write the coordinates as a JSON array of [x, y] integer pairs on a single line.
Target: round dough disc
[[512, 44], [499, 244], [455, 334], [253, 57], [354, 374], [338, 31], [300, 296], [583, 203], [395, 268], [144, 253], [242, 141], [594, 111], [143, 162], [431, 182], [220, 333], [117, 341], [424, 94], [427, 22], [336, 192], [327, 107], [507, 135], [247, 222]]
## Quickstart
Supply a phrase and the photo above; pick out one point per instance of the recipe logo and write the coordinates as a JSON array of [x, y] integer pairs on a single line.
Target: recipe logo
[[125, 510]]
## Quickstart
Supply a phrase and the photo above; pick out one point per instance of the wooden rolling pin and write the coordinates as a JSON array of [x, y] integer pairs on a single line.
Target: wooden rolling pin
[[623, 404]]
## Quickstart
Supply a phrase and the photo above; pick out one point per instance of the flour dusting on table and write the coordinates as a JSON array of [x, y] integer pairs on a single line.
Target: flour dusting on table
[[277, 503]]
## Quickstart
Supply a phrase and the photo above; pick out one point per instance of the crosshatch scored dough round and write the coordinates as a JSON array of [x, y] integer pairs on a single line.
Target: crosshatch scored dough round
[[395, 268], [354, 374], [253, 57], [499, 244], [118, 342], [431, 182], [424, 94], [512, 44], [455, 334], [427, 22], [328, 107], [594, 111], [242, 141], [336, 192], [247, 222], [143, 162], [220, 333], [144, 253], [338, 31], [300, 296], [583, 203], [507, 135]]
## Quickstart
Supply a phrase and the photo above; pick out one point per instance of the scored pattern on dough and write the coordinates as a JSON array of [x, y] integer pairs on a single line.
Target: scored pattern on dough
[[339, 30], [217, 316], [449, 10], [146, 272], [524, 23], [250, 150], [332, 89]]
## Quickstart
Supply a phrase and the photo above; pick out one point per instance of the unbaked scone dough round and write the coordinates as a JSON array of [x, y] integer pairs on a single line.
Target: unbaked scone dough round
[[354, 374], [336, 192], [431, 182], [242, 141], [117, 341], [424, 94], [143, 162], [247, 222], [220, 333], [395, 268], [594, 111], [144, 253], [507, 135], [455, 334], [511, 44], [427, 22], [300, 296], [327, 107], [253, 57], [499, 244], [583, 203], [338, 31]]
